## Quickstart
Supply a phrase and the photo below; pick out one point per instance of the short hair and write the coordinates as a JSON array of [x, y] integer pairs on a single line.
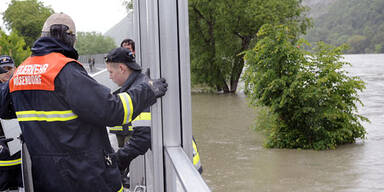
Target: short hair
[[129, 41]]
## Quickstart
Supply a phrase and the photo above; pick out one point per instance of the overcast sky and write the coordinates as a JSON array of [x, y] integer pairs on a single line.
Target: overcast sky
[[89, 15]]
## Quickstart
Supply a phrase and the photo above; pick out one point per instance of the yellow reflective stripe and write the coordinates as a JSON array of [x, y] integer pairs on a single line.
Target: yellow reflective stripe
[[121, 189], [10, 162], [34, 115], [124, 106], [128, 107], [143, 116], [130, 128], [143, 120], [196, 157], [116, 128]]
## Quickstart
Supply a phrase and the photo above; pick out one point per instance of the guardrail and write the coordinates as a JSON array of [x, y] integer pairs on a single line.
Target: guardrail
[[188, 178]]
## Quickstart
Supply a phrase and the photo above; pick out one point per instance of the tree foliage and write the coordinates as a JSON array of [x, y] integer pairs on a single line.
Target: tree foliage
[[14, 46], [222, 30], [128, 4], [26, 18], [312, 97], [93, 43], [358, 23]]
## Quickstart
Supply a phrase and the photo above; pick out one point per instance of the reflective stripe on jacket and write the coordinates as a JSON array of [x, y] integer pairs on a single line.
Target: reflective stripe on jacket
[[143, 119], [10, 169], [9, 163]]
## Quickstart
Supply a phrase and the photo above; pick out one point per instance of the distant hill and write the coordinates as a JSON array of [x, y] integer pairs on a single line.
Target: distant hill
[[122, 30], [359, 23], [318, 7]]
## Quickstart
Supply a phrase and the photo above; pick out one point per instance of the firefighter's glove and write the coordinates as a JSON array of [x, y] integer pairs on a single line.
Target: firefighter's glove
[[158, 86], [121, 163]]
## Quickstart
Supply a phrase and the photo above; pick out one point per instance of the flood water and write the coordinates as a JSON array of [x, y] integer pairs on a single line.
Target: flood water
[[234, 158]]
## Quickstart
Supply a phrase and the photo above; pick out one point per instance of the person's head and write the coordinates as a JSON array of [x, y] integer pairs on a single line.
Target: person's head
[[129, 44], [61, 27], [7, 67], [120, 64], [6, 62]]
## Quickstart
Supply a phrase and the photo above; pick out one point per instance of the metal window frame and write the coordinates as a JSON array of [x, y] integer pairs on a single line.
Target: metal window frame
[[162, 35]]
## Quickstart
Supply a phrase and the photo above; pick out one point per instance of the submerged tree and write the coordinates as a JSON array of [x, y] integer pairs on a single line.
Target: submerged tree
[[312, 98], [222, 30]]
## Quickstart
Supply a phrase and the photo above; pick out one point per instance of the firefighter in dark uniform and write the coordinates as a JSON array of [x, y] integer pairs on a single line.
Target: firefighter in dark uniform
[[126, 73], [6, 70], [124, 133], [63, 113], [10, 169]]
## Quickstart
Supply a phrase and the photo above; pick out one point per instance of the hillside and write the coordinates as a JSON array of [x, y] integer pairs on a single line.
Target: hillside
[[358, 23], [318, 7]]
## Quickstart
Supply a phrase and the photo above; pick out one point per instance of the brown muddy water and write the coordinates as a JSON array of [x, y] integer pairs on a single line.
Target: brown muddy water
[[234, 158]]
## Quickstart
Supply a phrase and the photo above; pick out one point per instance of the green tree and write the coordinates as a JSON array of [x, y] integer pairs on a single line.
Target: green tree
[[26, 18], [14, 46], [93, 43], [222, 30], [312, 97]]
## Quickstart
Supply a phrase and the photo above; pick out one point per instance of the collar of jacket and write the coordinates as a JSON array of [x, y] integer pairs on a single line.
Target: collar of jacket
[[46, 45], [131, 79]]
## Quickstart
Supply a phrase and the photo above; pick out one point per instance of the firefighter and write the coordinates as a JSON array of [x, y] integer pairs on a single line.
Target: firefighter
[[126, 73], [124, 133], [6, 70], [7, 67], [63, 112], [10, 169]]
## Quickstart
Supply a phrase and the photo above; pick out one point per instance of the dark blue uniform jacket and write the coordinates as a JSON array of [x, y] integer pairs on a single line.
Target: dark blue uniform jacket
[[140, 141]]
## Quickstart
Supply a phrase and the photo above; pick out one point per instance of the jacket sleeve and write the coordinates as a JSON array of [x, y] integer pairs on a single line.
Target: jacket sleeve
[[94, 102], [139, 142], [6, 107]]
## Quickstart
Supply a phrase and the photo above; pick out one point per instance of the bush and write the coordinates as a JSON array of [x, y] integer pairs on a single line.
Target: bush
[[313, 97], [14, 46]]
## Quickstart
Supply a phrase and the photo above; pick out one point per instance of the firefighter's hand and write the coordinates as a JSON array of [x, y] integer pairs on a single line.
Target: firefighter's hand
[[158, 86], [121, 164]]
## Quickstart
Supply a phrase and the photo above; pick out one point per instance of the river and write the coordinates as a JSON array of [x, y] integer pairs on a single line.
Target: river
[[234, 158]]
